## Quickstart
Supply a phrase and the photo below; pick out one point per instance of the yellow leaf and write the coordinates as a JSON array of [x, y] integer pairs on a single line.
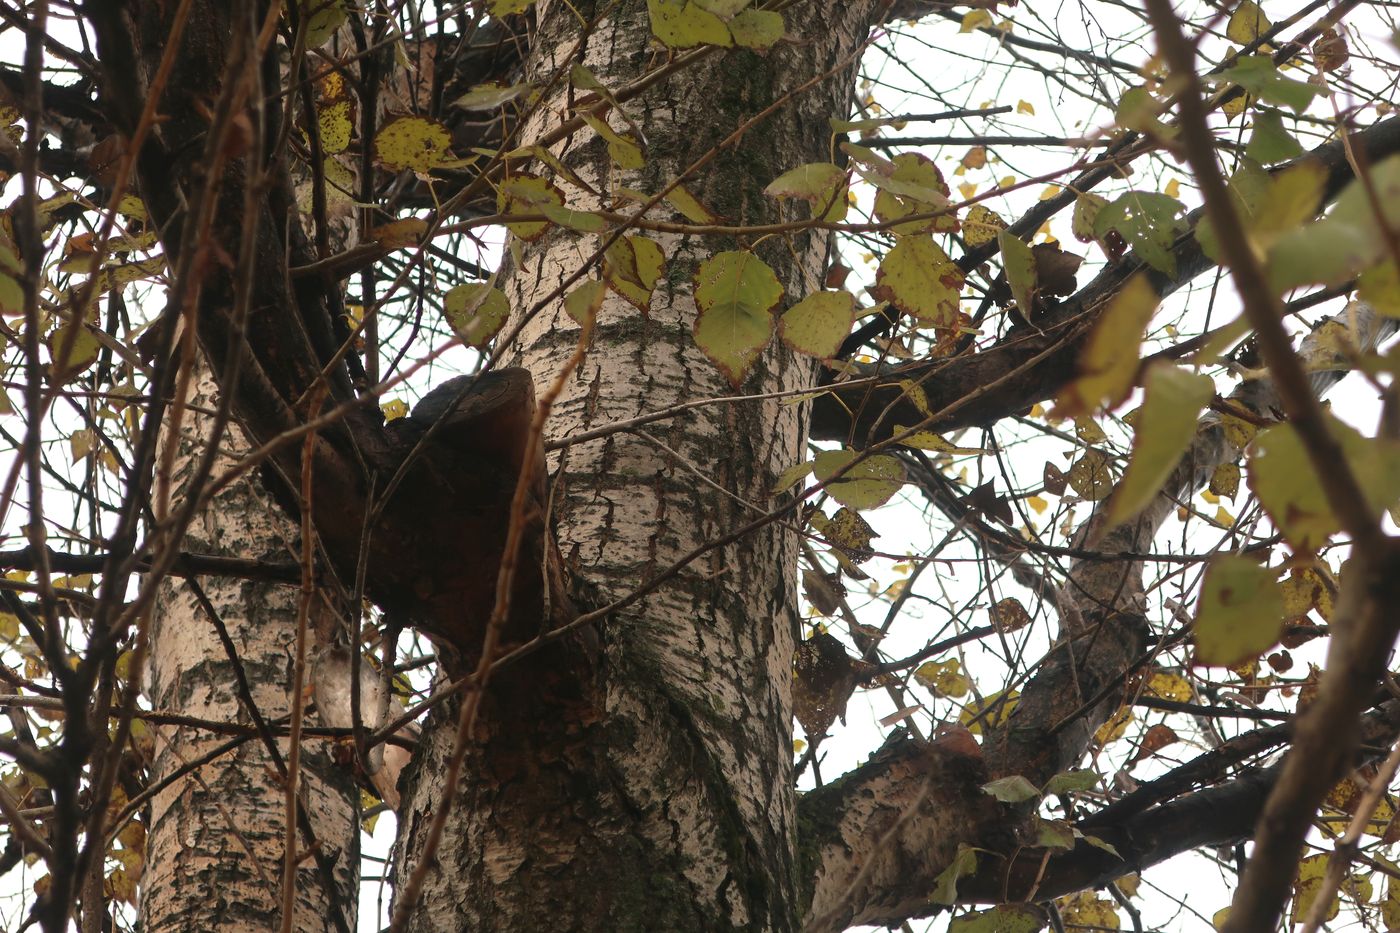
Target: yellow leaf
[[1025, 106], [1110, 358], [974, 20]]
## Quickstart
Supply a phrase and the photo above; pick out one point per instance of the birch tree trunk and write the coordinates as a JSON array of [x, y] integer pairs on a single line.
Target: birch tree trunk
[[217, 838], [662, 798]]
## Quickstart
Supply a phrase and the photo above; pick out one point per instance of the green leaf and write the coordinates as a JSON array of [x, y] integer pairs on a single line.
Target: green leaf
[[631, 267], [736, 293], [583, 302], [623, 149], [582, 221], [1378, 286], [1053, 834], [1109, 361], [1138, 110], [865, 484], [322, 18], [685, 25], [1008, 918], [476, 312], [491, 96], [527, 194], [817, 324], [1019, 263], [690, 206], [1282, 476], [1086, 212], [945, 886], [1269, 142], [1070, 781], [820, 184], [918, 278], [1258, 75], [1240, 613], [1013, 789], [1149, 221], [757, 29], [1174, 399]]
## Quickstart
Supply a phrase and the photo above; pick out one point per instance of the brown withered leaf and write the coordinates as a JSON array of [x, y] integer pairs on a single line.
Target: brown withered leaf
[[1055, 270], [1154, 740], [825, 676], [1008, 615]]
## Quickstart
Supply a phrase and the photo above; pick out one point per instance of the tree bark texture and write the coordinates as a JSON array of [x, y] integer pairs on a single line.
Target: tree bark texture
[[217, 835]]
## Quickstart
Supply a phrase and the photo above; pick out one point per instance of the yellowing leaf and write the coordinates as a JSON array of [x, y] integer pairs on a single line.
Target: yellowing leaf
[[1240, 613], [1282, 476], [944, 678], [757, 29], [583, 302], [527, 194], [911, 184], [622, 148], [631, 267], [414, 144], [974, 20], [865, 483], [1025, 106], [1091, 476], [491, 96], [998, 705], [1169, 686], [1247, 23], [582, 221], [399, 233], [321, 18], [1019, 263], [690, 206], [817, 324], [1013, 789], [917, 277], [820, 184], [1312, 871], [684, 25], [1115, 728], [1109, 360], [1007, 918], [1174, 399], [476, 312], [736, 293]]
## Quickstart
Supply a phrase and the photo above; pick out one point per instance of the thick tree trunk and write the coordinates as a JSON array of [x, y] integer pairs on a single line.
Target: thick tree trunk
[[217, 835], [657, 792]]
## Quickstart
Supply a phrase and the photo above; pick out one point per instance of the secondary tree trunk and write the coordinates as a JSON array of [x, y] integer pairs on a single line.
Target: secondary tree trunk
[[217, 836], [655, 792]]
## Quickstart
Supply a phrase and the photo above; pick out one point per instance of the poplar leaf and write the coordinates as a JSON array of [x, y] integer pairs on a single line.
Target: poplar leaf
[[1008, 918], [476, 312], [974, 20], [981, 225], [1149, 221], [1240, 612], [913, 185], [689, 206], [1086, 212], [820, 184], [1247, 23], [631, 267], [1013, 789], [322, 19], [1269, 142], [1282, 476], [865, 484], [757, 29], [415, 144], [491, 96], [1174, 399], [623, 149], [736, 293], [1258, 75], [583, 302], [684, 25], [582, 221], [524, 193], [917, 277], [945, 886], [1019, 263], [1109, 360], [817, 324]]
